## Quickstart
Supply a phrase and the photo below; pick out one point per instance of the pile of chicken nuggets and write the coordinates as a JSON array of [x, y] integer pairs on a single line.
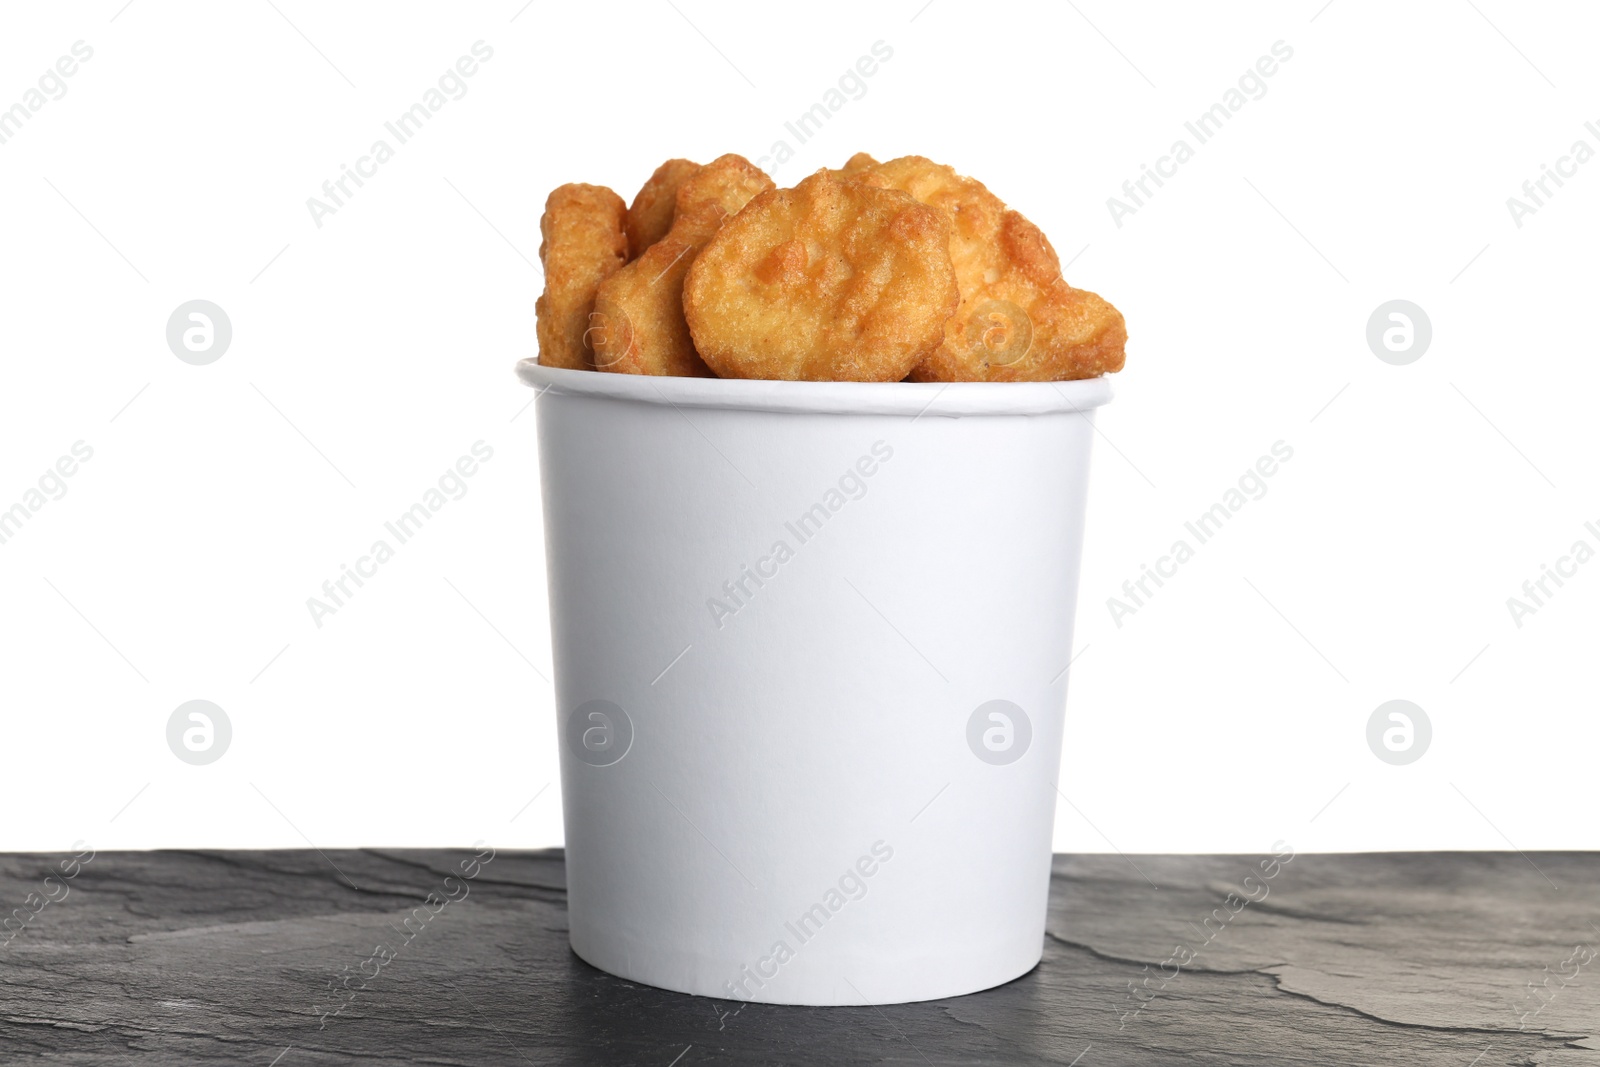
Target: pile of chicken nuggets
[[874, 272]]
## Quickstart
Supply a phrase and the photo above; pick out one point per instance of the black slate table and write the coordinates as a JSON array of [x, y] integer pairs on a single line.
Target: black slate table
[[1461, 959]]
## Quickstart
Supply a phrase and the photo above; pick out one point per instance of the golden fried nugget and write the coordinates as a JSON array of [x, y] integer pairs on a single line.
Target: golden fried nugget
[[638, 325], [832, 280], [856, 164], [1019, 321], [583, 244], [650, 217]]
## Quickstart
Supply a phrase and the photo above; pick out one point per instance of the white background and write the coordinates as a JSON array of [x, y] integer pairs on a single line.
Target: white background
[[370, 353]]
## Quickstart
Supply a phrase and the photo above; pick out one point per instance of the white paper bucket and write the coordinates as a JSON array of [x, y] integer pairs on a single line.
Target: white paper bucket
[[810, 646]]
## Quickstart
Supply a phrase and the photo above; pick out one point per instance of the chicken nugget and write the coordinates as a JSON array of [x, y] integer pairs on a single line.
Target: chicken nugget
[[1019, 321], [583, 244], [856, 164], [832, 280], [638, 325], [650, 217]]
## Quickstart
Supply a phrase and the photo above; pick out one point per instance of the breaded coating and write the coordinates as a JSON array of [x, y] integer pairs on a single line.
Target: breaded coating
[[1019, 321], [856, 164], [583, 245], [650, 217], [832, 280], [638, 325]]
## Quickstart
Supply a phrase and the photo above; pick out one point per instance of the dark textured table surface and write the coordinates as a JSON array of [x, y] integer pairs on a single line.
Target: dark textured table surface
[[1466, 959]]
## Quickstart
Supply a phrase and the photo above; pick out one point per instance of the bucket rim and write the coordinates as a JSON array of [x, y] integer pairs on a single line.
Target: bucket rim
[[948, 399]]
